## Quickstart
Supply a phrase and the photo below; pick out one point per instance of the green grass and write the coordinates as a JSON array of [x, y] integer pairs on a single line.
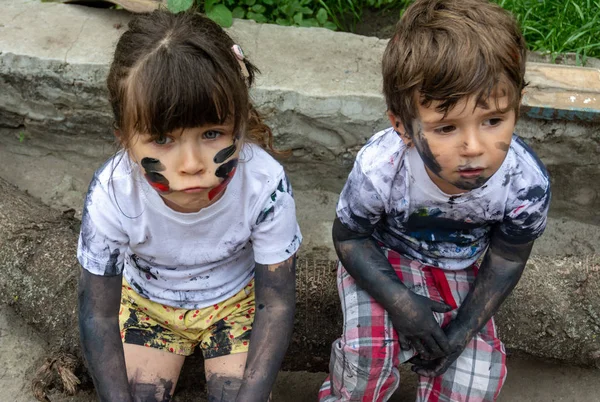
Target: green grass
[[559, 26], [549, 26]]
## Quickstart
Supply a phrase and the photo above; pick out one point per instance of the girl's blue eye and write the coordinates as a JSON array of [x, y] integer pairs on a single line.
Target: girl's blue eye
[[211, 135], [163, 140]]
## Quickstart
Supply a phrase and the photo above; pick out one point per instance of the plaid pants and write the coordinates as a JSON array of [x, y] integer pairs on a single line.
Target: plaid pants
[[364, 361]]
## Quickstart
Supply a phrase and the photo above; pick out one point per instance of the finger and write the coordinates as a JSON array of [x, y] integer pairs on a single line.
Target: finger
[[439, 307], [420, 362], [434, 350], [404, 343], [442, 341], [432, 369], [416, 343], [442, 367]]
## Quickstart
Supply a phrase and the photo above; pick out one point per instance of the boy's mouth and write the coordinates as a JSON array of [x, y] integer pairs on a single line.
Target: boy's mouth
[[470, 172]]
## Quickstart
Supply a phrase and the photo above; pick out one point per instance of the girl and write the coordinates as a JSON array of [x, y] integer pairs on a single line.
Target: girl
[[189, 233]]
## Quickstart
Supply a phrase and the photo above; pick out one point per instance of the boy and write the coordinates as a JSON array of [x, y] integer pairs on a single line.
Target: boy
[[426, 199]]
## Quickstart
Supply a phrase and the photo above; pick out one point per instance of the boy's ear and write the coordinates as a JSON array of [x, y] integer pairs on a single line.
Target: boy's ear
[[399, 128]]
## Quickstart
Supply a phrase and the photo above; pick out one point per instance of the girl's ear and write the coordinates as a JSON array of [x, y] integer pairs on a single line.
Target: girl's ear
[[399, 128]]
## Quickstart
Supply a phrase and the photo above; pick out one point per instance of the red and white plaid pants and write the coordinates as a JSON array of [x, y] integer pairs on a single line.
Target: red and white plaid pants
[[364, 361]]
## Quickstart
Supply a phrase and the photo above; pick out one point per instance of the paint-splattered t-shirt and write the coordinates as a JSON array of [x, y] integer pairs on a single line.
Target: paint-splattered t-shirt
[[390, 195], [188, 260]]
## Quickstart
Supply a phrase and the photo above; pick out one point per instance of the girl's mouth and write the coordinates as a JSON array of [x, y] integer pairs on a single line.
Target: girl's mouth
[[193, 190]]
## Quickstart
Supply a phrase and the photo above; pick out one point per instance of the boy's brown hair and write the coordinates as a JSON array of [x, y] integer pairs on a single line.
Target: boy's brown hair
[[444, 50]]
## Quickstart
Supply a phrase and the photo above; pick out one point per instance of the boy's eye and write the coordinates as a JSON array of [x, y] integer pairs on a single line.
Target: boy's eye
[[445, 129], [163, 140], [211, 135], [493, 122]]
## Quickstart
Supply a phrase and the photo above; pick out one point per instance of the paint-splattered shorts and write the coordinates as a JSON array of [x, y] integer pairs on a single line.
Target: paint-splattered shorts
[[219, 330]]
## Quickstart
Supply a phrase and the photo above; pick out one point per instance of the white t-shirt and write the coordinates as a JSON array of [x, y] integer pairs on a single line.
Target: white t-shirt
[[188, 260], [390, 194]]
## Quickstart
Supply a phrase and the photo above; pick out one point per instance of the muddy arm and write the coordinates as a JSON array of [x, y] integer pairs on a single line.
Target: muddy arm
[[275, 287], [99, 300], [500, 271], [411, 314]]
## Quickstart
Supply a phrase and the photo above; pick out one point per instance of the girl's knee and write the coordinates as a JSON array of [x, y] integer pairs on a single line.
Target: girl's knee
[[160, 390], [222, 387]]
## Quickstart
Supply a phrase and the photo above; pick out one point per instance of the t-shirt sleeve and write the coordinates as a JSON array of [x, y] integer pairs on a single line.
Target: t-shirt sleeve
[[275, 233], [102, 241], [360, 206], [526, 216]]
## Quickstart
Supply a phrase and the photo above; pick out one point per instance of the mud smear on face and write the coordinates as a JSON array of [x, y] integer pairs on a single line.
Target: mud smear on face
[[423, 148], [430, 161], [503, 146], [157, 181]]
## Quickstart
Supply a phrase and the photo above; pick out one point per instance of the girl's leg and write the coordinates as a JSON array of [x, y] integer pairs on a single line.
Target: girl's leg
[[152, 373], [364, 361], [224, 375]]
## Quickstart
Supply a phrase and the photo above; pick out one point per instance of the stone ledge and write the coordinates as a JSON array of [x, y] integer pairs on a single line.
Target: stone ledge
[[316, 73]]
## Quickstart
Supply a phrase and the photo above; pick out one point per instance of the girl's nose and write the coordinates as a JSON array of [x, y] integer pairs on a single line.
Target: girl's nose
[[192, 160]]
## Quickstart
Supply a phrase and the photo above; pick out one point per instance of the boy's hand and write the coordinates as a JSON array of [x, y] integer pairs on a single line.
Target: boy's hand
[[457, 340], [413, 319]]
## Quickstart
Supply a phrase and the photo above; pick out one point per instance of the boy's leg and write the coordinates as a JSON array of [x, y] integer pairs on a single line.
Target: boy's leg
[[479, 372], [152, 373], [364, 361]]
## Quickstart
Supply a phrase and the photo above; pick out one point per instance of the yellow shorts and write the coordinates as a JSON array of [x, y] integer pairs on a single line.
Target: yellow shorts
[[219, 330]]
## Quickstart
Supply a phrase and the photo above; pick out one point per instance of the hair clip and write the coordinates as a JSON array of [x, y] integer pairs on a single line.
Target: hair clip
[[239, 55]]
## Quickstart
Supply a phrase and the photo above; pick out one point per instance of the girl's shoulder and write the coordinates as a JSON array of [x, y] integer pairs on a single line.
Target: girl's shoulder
[[258, 165]]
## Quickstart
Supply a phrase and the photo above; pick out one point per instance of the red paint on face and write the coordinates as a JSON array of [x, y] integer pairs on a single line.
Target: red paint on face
[[158, 186], [217, 190]]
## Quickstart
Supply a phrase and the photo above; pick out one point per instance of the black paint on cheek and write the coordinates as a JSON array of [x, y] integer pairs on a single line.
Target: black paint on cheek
[[152, 165], [225, 154], [425, 152], [503, 146], [226, 168], [158, 179]]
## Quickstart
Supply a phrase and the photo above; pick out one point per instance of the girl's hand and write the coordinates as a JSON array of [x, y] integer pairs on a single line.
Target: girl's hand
[[275, 287]]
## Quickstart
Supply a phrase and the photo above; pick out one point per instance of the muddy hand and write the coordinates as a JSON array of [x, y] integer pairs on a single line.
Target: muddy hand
[[412, 316], [457, 339]]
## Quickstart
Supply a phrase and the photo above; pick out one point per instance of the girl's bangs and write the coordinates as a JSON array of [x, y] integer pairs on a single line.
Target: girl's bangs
[[162, 97]]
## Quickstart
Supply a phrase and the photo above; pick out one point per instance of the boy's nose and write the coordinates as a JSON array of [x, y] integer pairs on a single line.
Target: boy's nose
[[472, 144], [191, 161]]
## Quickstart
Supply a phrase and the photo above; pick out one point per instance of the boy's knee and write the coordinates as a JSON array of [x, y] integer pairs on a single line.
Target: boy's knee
[[223, 388]]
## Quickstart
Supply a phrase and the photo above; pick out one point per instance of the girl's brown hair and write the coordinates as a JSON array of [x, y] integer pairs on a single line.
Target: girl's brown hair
[[445, 50], [176, 71]]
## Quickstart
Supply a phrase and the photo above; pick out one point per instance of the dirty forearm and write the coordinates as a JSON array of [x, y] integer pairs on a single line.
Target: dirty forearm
[[275, 287], [368, 266], [99, 300], [500, 271]]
